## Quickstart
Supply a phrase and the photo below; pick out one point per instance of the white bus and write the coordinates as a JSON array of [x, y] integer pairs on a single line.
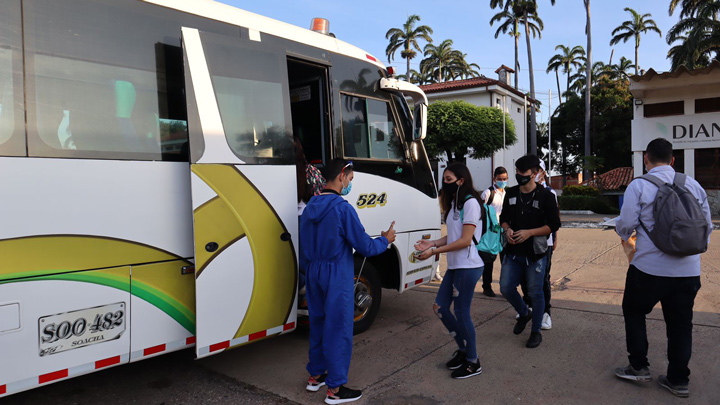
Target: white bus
[[147, 178]]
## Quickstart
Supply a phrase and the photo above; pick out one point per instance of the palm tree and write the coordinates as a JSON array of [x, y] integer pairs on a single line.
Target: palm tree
[[510, 23], [618, 71], [578, 79], [407, 39], [588, 84], [699, 35], [444, 62], [638, 24], [467, 70], [687, 53], [567, 59], [687, 7], [525, 8]]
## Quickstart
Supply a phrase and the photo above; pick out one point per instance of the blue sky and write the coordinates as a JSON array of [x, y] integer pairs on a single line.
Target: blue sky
[[365, 23]]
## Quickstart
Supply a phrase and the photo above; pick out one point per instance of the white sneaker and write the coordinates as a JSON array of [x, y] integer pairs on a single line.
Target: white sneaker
[[546, 322]]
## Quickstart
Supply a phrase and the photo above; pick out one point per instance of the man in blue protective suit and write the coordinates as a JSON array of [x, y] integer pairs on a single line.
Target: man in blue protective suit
[[329, 231]]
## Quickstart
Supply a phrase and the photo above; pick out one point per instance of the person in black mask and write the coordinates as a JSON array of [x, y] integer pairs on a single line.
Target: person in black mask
[[530, 213], [464, 218]]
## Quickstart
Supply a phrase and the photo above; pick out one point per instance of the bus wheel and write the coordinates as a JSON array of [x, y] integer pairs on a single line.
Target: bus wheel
[[367, 297]]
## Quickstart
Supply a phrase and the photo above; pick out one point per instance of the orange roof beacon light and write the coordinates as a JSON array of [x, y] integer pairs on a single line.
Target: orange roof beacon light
[[320, 25]]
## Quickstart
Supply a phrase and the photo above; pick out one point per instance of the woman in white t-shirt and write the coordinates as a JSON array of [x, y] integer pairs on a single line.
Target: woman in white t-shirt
[[461, 209]]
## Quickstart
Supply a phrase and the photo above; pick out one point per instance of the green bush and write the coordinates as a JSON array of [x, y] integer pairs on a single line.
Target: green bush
[[581, 190], [598, 205]]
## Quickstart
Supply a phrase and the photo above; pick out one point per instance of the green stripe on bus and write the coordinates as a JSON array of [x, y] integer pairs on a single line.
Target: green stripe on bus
[[170, 306]]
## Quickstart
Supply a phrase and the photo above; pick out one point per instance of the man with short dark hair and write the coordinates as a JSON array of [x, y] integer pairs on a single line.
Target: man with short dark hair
[[493, 196], [329, 231], [530, 213], [655, 276]]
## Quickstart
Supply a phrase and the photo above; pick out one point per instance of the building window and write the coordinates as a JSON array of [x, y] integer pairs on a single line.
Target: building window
[[706, 105], [664, 109], [519, 110], [707, 168], [679, 165]]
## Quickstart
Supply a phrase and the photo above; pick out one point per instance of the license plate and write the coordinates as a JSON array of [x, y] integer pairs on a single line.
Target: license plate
[[76, 329]]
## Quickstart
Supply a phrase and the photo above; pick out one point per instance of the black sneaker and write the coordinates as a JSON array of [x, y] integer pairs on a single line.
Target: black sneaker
[[489, 292], [457, 361], [343, 395], [679, 390], [468, 370], [534, 341], [314, 384], [630, 373], [521, 322]]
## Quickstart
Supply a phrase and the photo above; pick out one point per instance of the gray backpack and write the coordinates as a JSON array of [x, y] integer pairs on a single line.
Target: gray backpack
[[681, 228]]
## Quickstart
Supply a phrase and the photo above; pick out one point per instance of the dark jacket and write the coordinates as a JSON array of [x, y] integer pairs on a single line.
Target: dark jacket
[[529, 211]]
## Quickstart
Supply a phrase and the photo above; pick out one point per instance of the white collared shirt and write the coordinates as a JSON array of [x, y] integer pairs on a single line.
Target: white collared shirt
[[497, 201], [638, 206]]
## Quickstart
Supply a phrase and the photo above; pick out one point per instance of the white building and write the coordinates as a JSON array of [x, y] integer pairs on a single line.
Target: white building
[[483, 91], [682, 106]]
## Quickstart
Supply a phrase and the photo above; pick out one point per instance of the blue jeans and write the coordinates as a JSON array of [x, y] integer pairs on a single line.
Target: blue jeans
[[513, 269], [458, 288]]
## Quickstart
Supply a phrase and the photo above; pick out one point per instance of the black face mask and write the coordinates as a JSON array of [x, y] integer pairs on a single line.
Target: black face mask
[[450, 188], [522, 180]]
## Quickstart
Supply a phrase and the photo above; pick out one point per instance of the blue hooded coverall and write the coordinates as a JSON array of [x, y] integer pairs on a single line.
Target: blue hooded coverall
[[329, 230]]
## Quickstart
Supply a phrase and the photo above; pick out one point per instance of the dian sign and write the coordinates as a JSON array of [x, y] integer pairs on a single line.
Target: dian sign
[[684, 131]]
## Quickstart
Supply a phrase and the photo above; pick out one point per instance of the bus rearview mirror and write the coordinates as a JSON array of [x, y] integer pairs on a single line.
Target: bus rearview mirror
[[419, 121]]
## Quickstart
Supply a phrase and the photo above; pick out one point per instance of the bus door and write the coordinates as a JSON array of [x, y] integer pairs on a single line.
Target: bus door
[[243, 189]]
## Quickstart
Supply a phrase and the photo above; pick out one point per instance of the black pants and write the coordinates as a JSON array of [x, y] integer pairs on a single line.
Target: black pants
[[547, 292], [677, 297], [488, 261]]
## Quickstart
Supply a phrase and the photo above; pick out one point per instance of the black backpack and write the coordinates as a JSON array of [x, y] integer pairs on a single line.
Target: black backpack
[[490, 198]]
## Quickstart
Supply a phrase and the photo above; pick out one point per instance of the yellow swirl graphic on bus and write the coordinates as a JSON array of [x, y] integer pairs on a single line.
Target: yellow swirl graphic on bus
[[244, 211]]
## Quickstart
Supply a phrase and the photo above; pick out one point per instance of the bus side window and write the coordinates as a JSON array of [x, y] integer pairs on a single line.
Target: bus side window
[[12, 128], [108, 88], [369, 130], [251, 86]]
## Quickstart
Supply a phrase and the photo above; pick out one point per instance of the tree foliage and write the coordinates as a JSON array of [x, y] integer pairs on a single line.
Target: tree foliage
[[525, 8], [632, 29], [458, 128], [443, 63], [567, 59], [406, 38], [510, 24], [696, 35], [609, 128]]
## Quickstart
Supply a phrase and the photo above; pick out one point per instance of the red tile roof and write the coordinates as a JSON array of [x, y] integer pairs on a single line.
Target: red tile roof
[[511, 70], [613, 180], [481, 81]]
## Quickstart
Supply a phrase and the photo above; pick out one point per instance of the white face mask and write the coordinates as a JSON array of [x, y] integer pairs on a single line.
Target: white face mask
[[540, 178]]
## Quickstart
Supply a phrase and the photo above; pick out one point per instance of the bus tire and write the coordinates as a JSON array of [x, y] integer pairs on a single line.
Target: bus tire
[[367, 296]]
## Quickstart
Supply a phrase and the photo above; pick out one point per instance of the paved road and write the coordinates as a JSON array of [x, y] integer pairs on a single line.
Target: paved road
[[400, 360]]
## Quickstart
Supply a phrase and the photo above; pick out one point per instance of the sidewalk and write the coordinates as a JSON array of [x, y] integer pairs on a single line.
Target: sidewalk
[[401, 358]]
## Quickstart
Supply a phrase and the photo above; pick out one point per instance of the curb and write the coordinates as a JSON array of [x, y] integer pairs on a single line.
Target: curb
[[577, 212], [596, 225]]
